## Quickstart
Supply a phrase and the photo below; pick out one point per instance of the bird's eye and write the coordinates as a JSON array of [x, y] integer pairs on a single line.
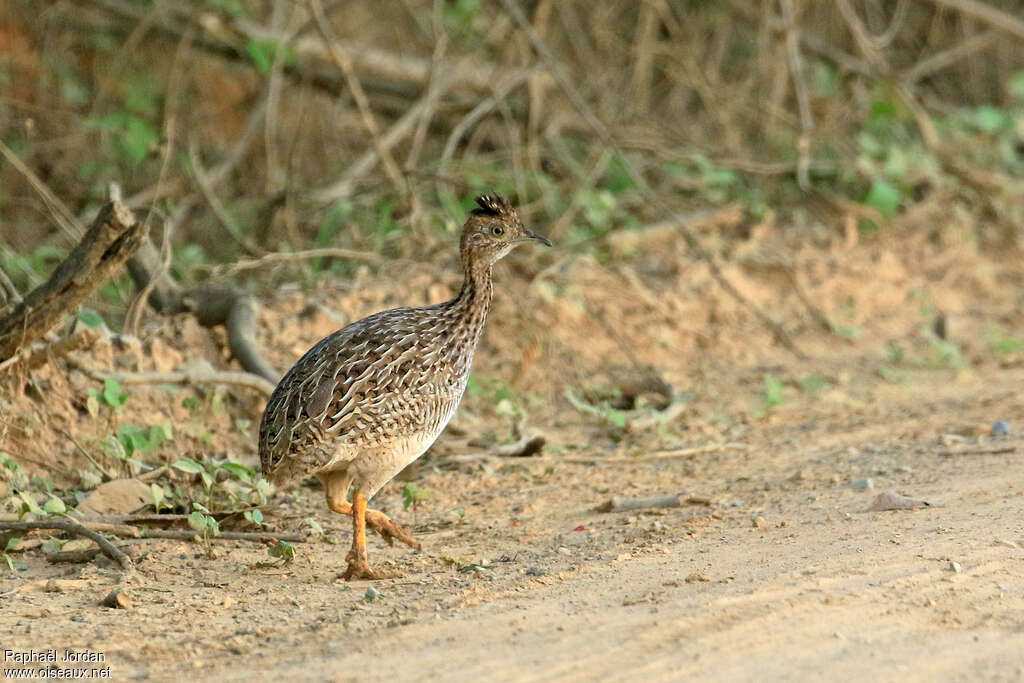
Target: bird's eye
[[498, 230]]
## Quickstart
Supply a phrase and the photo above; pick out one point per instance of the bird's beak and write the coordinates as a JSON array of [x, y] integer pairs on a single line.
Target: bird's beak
[[531, 235]]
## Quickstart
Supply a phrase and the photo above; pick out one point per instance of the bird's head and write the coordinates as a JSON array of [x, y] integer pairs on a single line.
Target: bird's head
[[492, 230]]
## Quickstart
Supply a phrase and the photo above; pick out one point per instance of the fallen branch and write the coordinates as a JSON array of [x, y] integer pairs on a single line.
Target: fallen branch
[[128, 531], [653, 457], [623, 504], [67, 526], [995, 450], [242, 379], [113, 237]]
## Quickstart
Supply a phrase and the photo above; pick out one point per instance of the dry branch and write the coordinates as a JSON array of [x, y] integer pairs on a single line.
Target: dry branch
[[70, 527], [242, 379], [113, 237], [128, 531], [624, 503]]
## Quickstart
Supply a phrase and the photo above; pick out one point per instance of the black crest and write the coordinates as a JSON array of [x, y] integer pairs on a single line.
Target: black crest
[[491, 205]]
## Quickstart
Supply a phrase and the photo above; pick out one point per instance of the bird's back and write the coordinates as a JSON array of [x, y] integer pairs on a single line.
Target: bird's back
[[393, 375]]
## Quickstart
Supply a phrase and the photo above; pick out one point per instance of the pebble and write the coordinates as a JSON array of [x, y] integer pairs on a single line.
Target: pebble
[[956, 567], [117, 600], [535, 571], [1000, 428], [372, 594], [760, 523], [736, 503], [863, 484]]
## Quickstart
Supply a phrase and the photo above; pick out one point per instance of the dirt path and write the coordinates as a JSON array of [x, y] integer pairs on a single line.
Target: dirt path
[[699, 592]]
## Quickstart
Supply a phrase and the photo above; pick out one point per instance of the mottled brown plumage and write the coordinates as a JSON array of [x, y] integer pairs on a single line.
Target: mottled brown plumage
[[369, 399]]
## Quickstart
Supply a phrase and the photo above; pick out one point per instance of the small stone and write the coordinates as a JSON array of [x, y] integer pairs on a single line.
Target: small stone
[[1000, 428], [736, 503], [53, 587], [372, 594], [535, 571], [760, 523], [697, 577], [863, 484], [956, 567], [562, 550], [117, 600]]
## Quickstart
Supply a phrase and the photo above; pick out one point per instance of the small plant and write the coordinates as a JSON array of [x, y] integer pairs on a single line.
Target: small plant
[[12, 545], [202, 521], [812, 384], [112, 396], [772, 395], [1002, 344], [282, 551], [254, 516], [413, 495], [614, 420]]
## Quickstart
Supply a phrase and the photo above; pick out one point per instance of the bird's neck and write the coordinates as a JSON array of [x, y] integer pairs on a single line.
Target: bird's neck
[[470, 306]]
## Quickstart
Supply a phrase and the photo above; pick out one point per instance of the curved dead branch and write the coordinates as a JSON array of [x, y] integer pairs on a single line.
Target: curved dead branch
[[212, 304]]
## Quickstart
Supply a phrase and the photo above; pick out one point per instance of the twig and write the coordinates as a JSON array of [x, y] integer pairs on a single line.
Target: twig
[[72, 229], [803, 100], [622, 503], [128, 531], [344, 61], [994, 450], [345, 186], [291, 257], [987, 14], [242, 379], [653, 457], [873, 55], [88, 456], [67, 526], [602, 131], [947, 58], [10, 292], [206, 189]]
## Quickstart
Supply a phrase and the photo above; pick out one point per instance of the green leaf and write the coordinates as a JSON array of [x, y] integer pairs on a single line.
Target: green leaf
[[30, 504], [413, 495], [989, 119], [1015, 86], [254, 516], [188, 465], [91, 318], [136, 140], [158, 496], [12, 543], [240, 471], [113, 395], [55, 506], [883, 196], [773, 390]]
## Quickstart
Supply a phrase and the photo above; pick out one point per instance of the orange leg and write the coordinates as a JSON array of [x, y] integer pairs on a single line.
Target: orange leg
[[336, 488], [358, 565]]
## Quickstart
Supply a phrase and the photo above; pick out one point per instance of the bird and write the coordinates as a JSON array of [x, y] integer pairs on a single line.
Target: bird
[[370, 398]]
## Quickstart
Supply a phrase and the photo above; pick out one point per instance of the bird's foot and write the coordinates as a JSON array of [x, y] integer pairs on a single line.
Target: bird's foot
[[359, 570], [390, 530]]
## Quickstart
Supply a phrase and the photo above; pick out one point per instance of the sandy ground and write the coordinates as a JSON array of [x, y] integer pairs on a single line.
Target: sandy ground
[[783, 575]]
